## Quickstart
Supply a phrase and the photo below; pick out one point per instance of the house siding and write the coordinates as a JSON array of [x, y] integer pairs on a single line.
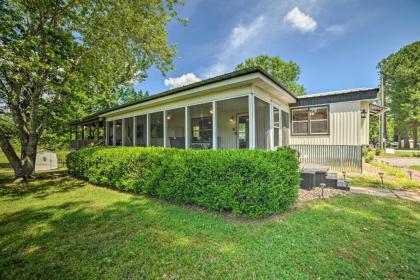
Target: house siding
[[345, 127]]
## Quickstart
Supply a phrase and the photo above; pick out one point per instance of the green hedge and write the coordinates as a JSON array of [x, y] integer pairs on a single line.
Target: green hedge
[[246, 182]]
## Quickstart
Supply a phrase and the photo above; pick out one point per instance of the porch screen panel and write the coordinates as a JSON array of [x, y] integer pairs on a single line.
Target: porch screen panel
[[175, 128], [285, 128], [110, 133], [141, 130], [128, 132], [118, 132], [156, 129], [201, 123], [276, 120], [262, 124], [233, 123]]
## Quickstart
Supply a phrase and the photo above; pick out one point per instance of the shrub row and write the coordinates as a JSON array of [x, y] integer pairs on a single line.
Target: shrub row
[[245, 182]]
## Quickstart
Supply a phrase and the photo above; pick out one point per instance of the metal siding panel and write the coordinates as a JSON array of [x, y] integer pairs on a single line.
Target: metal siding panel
[[336, 157]]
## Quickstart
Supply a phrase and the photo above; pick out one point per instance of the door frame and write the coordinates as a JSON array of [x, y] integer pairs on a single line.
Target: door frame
[[238, 115]]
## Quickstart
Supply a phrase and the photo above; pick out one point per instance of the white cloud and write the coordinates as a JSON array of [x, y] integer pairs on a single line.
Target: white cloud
[[336, 29], [240, 37], [300, 21], [216, 69], [180, 81], [240, 34]]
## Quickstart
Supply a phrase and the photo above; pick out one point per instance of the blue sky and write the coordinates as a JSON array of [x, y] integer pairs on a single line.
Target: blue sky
[[336, 43]]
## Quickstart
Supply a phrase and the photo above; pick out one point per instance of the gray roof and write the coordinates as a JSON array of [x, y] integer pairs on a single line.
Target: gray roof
[[336, 96], [223, 77], [335, 92]]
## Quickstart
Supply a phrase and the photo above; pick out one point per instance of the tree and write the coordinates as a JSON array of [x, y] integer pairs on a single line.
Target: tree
[[60, 57], [287, 73], [129, 94], [401, 73]]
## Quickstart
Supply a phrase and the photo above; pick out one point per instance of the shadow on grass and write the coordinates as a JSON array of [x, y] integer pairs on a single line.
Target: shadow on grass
[[43, 186], [94, 233]]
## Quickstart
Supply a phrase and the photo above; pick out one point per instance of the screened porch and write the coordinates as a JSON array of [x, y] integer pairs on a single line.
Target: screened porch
[[245, 122]]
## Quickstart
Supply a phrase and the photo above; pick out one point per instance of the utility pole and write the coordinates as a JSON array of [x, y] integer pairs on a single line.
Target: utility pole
[[382, 117]]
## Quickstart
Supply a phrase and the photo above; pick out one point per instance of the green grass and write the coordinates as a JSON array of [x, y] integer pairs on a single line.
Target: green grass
[[390, 170], [415, 167], [395, 178], [63, 228], [402, 153], [375, 182]]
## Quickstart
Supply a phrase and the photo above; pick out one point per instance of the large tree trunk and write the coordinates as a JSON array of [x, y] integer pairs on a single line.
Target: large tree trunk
[[415, 136], [24, 166]]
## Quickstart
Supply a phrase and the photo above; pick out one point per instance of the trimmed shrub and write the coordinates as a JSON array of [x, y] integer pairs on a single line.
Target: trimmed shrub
[[246, 182]]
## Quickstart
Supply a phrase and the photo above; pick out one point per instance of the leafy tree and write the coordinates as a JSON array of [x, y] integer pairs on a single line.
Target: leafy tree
[[129, 94], [401, 73], [63, 58], [287, 73]]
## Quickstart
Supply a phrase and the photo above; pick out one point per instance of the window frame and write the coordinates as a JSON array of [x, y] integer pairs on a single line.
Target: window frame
[[308, 108]]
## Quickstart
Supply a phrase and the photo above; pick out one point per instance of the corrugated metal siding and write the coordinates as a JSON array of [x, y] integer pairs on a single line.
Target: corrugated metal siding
[[345, 127], [336, 157]]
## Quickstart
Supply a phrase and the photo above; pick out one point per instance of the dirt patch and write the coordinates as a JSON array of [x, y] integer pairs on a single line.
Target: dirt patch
[[316, 193]]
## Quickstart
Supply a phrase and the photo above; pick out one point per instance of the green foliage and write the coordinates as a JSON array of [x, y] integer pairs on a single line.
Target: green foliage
[[378, 151], [248, 183], [129, 94], [369, 157], [62, 60], [401, 72], [287, 73]]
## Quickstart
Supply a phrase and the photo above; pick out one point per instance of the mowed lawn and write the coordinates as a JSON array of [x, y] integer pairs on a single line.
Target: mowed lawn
[[60, 227]]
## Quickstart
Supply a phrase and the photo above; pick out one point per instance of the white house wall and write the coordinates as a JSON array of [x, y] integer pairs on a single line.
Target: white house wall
[[365, 123], [345, 127]]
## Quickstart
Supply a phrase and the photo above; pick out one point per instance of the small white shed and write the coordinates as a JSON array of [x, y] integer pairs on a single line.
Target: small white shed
[[45, 160]]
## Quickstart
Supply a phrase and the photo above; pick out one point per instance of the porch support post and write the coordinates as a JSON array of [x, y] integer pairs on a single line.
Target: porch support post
[[114, 130], [134, 131], [123, 132], [271, 134], [148, 130], [187, 127], [165, 129], [251, 109], [214, 123]]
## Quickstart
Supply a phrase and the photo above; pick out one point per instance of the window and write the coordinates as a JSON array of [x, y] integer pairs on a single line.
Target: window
[[310, 121]]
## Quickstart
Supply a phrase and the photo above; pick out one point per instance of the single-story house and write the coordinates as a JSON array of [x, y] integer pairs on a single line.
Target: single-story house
[[245, 109]]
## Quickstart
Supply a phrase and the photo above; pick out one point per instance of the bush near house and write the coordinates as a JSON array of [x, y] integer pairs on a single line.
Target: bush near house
[[248, 183]]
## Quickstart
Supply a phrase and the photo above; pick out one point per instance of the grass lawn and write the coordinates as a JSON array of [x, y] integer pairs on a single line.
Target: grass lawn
[[64, 228], [402, 153], [415, 167], [394, 178]]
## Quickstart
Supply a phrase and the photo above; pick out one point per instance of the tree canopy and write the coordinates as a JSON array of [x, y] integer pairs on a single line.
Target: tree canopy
[[401, 74], [287, 73], [61, 58]]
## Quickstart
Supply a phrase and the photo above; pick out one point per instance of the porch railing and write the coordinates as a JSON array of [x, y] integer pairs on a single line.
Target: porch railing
[[336, 157]]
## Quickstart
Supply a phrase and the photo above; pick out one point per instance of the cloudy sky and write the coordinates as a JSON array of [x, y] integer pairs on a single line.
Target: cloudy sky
[[337, 43]]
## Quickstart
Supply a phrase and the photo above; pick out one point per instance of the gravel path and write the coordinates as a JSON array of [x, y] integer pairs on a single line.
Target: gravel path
[[408, 195], [315, 193]]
